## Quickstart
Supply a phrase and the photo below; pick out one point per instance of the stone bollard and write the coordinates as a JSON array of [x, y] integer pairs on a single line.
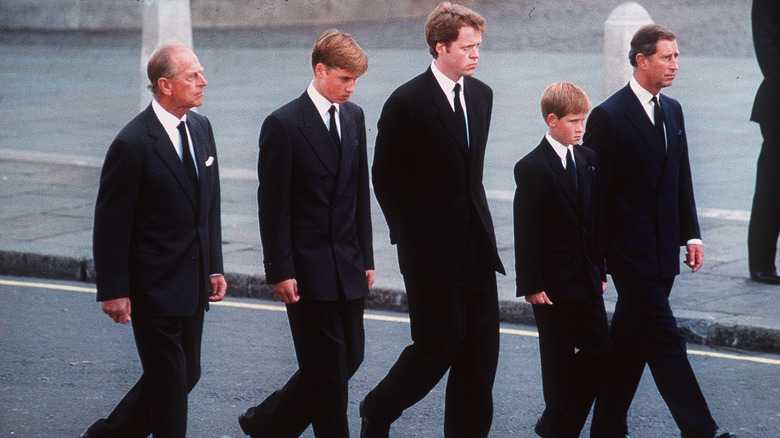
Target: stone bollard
[[621, 25], [165, 22]]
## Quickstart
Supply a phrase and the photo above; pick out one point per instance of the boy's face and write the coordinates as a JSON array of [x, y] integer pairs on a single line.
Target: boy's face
[[333, 83], [568, 129]]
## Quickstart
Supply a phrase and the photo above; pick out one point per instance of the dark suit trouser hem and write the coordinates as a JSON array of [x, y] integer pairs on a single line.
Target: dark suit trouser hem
[[454, 327], [169, 348], [644, 331], [764, 226], [574, 345], [329, 344]]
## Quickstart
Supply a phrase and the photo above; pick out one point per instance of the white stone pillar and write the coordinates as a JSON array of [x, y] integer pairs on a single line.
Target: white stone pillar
[[165, 22], [619, 28]]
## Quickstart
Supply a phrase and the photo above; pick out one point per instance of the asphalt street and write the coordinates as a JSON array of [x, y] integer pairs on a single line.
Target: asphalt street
[[66, 364]]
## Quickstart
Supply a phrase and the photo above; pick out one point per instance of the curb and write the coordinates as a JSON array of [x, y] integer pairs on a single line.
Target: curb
[[695, 330]]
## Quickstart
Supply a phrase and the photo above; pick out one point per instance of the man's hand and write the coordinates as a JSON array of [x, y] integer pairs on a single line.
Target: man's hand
[[370, 277], [603, 286], [695, 256], [539, 298], [218, 288], [118, 309], [287, 291]]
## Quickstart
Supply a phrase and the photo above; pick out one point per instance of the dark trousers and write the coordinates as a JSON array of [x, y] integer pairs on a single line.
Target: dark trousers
[[169, 348], [454, 326], [644, 331], [764, 227], [329, 344], [574, 345]]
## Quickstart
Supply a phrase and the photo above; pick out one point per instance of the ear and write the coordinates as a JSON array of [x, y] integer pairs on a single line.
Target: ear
[[641, 61], [441, 48], [164, 84], [552, 120], [320, 69]]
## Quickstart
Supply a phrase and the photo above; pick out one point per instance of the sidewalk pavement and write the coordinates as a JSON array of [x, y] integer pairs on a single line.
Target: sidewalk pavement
[[54, 131]]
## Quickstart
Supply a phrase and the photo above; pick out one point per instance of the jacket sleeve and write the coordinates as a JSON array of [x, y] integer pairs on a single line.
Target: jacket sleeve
[[363, 213], [689, 220], [114, 214], [766, 37], [526, 209], [274, 169], [215, 214], [393, 137]]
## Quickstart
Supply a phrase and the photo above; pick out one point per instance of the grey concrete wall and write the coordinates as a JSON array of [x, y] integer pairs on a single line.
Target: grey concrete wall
[[206, 14]]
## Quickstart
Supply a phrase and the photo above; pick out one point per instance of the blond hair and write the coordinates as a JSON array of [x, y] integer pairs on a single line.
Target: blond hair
[[335, 49]]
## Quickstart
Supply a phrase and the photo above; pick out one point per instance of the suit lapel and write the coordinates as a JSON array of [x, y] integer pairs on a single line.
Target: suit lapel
[[446, 114], [584, 178], [348, 146], [200, 136], [636, 114], [554, 161], [474, 108], [316, 134], [167, 153], [673, 135]]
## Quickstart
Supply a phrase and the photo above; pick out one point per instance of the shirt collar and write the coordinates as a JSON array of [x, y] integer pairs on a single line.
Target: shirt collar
[[445, 83], [640, 92], [168, 120], [322, 104], [559, 148]]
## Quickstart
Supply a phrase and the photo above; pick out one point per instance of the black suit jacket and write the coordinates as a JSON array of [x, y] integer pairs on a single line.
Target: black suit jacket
[[429, 182], [557, 228], [766, 39], [647, 193], [315, 214], [153, 240]]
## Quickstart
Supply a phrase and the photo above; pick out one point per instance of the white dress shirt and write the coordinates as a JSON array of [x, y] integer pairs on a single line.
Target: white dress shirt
[[323, 107], [560, 149], [171, 125], [448, 86]]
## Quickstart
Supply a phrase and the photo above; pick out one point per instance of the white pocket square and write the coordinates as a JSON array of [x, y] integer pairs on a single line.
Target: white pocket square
[[209, 161]]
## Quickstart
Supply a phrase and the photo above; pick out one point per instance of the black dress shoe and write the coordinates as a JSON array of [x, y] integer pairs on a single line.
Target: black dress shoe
[[372, 430], [724, 434], [245, 420], [540, 428], [765, 277]]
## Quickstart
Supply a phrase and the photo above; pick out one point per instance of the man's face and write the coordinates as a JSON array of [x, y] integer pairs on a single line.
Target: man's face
[[568, 129], [459, 58], [186, 86], [334, 83], [660, 68]]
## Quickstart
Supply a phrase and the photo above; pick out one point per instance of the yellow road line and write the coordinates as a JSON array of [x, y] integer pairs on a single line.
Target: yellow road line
[[371, 316]]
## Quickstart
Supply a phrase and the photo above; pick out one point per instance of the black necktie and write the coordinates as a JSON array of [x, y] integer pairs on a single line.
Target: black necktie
[[659, 121], [459, 114], [334, 131], [571, 170], [186, 157]]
